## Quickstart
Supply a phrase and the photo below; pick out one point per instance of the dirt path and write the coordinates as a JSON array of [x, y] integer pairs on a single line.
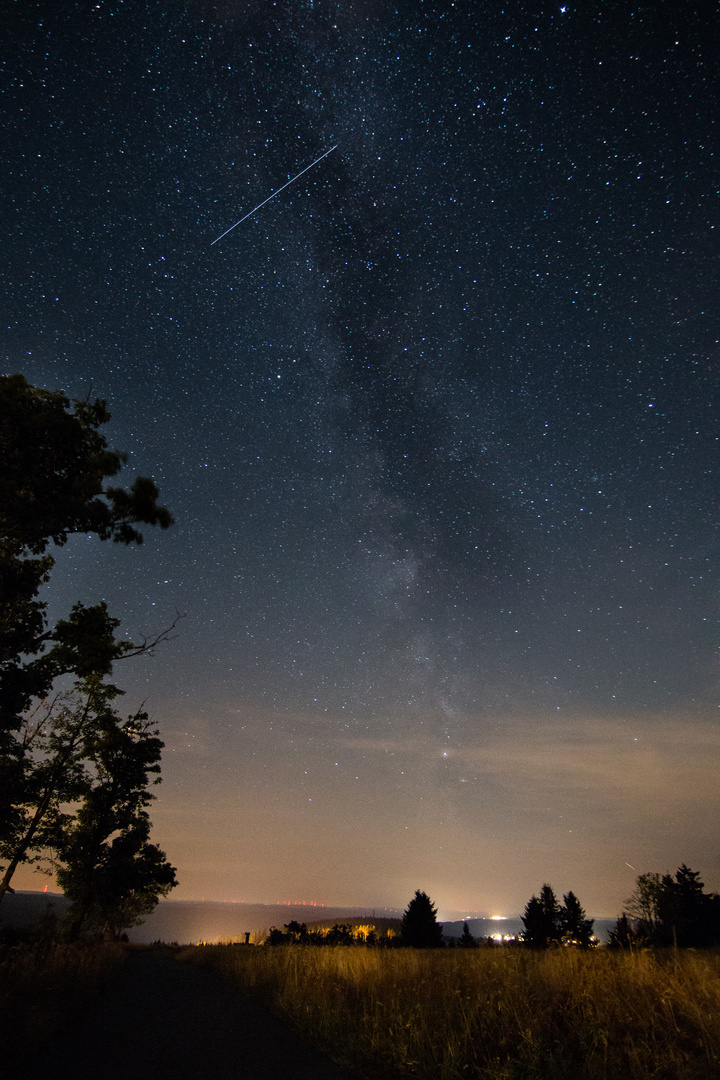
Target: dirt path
[[164, 1020]]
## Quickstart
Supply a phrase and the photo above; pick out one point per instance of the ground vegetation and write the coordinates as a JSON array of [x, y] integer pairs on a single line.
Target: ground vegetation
[[493, 1014]]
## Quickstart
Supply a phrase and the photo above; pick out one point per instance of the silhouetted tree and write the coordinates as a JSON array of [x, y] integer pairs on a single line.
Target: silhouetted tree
[[643, 907], [296, 932], [108, 868], [574, 927], [55, 461], [275, 937], [341, 934], [54, 464], [542, 920], [689, 916], [420, 928], [625, 936], [467, 941], [55, 736], [669, 910]]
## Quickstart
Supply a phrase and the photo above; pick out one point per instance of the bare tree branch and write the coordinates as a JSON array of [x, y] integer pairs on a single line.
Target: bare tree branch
[[146, 645]]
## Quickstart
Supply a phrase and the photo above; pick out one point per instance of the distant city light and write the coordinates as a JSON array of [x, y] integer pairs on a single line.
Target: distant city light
[[300, 903]]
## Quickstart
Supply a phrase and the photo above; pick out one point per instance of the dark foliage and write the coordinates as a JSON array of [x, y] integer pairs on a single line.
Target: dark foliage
[[420, 928], [108, 868], [54, 464], [542, 920], [549, 923], [690, 917], [343, 934], [625, 936], [575, 928], [55, 461], [667, 910], [467, 941]]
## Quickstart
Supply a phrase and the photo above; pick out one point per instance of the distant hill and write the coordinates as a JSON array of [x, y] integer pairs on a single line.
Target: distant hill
[[22, 908], [191, 921]]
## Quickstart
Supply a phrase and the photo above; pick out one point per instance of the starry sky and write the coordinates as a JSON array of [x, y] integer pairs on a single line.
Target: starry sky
[[436, 424]]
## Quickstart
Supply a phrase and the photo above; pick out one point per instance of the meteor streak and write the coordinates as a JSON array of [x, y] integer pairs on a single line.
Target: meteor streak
[[275, 193]]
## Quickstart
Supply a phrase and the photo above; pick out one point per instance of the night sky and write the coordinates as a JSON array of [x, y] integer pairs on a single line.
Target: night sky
[[436, 423]]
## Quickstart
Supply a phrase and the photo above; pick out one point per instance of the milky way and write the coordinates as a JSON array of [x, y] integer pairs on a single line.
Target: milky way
[[436, 426]]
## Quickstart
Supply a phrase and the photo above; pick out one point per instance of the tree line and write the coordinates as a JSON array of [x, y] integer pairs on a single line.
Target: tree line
[[663, 910], [74, 774], [296, 933], [548, 923], [669, 909], [545, 922]]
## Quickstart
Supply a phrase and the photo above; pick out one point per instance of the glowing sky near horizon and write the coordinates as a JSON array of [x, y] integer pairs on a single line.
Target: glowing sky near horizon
[[436, 424]]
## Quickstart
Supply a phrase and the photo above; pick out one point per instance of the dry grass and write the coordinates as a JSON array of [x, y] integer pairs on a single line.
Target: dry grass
[[41, 988], [494, 1014]]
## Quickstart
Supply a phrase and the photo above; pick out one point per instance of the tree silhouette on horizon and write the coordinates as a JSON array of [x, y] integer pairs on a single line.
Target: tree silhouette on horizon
[[420, 928], [575, 927], [541, 919], [547, 922]]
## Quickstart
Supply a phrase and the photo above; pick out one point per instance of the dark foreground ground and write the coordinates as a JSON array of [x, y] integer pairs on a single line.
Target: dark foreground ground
[[164, 1020]]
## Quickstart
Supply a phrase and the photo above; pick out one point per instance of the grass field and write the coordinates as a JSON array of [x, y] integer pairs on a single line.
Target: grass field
[[493, 1014]]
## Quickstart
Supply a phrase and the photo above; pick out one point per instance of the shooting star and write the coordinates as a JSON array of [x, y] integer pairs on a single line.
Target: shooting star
[[275, 193]]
